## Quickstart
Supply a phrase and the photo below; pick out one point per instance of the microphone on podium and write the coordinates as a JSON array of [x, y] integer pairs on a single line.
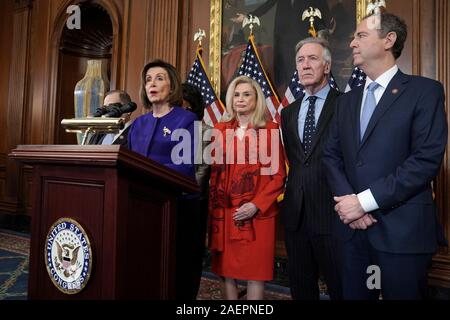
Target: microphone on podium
[[114, 110], [118, 109]]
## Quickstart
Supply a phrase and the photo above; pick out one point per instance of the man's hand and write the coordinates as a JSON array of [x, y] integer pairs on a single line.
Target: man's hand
[[364, 222], [348, 208]]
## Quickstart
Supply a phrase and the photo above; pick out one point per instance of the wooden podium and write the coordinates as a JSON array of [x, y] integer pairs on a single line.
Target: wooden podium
[[125, 202]]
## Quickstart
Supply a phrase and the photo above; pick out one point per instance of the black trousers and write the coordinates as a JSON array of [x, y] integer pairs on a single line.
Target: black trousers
[[310, 256], [190, 247]]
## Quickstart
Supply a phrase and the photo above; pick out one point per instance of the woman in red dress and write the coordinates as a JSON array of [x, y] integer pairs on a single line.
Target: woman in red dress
[[247, 176]]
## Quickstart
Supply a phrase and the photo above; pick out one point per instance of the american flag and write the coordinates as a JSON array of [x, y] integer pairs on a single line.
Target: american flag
[[357, 79], [252, 67], [198, 77], [293, 92], [333, 84], [296, 91]]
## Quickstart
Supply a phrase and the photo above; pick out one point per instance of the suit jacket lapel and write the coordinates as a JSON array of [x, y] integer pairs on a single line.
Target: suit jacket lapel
[[123, 135], [357, 96], [324, 118], [293, 124], [394, 90]]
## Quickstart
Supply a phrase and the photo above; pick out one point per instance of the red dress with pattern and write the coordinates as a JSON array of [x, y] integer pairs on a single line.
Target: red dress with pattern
[[245, 251]]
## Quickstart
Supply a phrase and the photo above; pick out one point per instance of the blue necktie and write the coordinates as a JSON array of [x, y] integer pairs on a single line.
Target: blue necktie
[[369, 107], [310, 125]]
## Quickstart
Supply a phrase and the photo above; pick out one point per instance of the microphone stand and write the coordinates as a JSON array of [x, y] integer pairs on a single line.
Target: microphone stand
[[93, 125], [86, 134]]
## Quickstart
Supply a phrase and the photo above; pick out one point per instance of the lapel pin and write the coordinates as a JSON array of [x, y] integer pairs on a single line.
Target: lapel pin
[[166, 131], [394, 91]]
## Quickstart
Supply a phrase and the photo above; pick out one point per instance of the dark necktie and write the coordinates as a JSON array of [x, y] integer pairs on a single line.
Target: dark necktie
[[310, 125]]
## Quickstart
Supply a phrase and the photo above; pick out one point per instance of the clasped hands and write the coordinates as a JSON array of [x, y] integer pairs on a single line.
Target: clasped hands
[[351, 212]]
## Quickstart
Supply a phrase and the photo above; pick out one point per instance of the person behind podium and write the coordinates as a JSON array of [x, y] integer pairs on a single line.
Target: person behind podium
[[244, 190], [119, 98], [150, 136], [193, 101]]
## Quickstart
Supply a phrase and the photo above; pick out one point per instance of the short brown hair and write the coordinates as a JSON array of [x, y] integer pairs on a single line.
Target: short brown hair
[[392, 23], [194, 97], [175, 96], [123, 96]]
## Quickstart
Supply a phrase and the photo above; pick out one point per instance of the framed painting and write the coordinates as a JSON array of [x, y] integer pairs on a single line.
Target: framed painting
[[281, 28]]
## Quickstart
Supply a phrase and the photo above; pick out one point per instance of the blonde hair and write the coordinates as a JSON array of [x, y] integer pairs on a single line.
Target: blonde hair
[[259, 116]]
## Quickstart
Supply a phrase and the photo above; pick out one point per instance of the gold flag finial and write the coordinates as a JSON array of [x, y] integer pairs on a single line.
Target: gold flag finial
[[250, 20], [374, 7], [312, 13], [199, 35]]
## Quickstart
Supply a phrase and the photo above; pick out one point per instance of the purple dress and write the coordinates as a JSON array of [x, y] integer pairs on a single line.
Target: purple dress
[[151, 137]]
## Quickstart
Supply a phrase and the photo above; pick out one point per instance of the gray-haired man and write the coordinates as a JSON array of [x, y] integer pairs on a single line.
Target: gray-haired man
[[308, 209]]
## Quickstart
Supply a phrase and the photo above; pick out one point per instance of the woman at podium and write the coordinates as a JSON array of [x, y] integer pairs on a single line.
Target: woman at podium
[[150, 136]]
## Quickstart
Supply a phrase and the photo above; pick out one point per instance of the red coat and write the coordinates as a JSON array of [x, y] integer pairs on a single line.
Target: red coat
[[246, 251]]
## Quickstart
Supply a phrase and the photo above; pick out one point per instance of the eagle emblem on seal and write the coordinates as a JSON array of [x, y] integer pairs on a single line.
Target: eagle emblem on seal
[[66, 259]]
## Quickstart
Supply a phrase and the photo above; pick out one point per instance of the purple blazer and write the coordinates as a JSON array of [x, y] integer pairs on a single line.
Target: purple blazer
[[151, 137]]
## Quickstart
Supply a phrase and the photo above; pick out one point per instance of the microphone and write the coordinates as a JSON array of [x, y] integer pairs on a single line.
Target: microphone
[[115, 110], [100, 111]]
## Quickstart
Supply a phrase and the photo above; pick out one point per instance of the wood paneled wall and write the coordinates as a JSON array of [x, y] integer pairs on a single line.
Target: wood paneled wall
[[17, 106], [440, 273], [30, 68], [143, 30], [6, 7]]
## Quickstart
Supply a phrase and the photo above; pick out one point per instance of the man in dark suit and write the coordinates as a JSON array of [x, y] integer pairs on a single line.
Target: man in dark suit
[[307, 211], [386, 145], [114, 97]]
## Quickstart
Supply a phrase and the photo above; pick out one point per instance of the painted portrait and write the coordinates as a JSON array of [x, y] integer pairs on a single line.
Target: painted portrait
[[281, 28]]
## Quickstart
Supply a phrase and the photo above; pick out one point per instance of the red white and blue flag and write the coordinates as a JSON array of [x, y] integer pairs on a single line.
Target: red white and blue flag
[[198, 77], [357, 79], [252, 67]]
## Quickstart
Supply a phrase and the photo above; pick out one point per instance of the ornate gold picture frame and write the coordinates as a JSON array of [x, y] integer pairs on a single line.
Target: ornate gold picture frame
[[215, 49]]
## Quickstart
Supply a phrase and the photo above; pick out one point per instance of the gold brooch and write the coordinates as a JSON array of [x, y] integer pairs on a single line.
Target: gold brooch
[[166, 131]]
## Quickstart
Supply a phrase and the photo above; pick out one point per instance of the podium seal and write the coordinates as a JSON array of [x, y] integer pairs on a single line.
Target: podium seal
[[68, 256]]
